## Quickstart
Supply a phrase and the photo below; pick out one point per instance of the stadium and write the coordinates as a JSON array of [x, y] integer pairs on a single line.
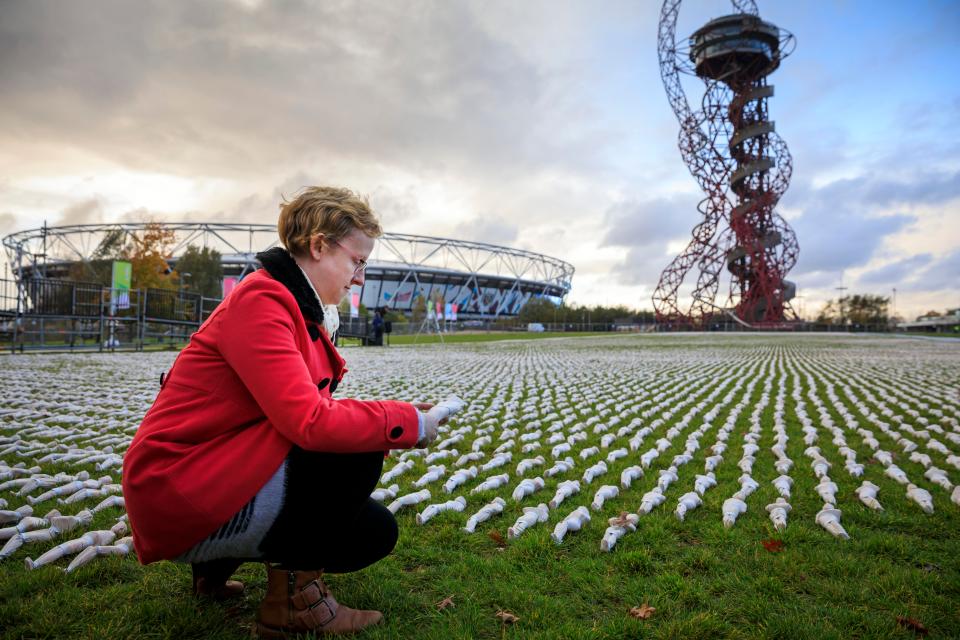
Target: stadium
[[473, 280]]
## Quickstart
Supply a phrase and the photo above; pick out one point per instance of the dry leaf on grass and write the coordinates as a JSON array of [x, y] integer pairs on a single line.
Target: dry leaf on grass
[[506, 617], [913, 624], [643, 612], [496, 537], [446, 602], [621, 520], [773, 546]]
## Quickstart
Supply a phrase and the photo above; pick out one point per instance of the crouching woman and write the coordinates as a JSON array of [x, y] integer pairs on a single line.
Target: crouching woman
[[246, 456]]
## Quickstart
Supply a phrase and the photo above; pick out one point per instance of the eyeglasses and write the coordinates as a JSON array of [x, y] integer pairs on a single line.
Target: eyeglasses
[[359, 264]]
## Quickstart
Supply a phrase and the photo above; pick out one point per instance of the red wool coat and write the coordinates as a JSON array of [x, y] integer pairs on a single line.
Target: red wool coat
[[250, 384]]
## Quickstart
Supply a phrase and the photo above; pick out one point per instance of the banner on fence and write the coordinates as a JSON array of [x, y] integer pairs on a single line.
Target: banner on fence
[[448, 311], [453, 312], [120, 287], [228, 284], [354, 305]]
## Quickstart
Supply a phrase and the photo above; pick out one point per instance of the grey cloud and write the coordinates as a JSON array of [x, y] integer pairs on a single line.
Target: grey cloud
[[943, 273], [8, 223], [650, 223], [896, 272], [89, 211], [489, 230]]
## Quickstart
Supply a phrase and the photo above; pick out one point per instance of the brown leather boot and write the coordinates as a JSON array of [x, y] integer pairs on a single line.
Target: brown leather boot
[[299, 602], [210, 579]]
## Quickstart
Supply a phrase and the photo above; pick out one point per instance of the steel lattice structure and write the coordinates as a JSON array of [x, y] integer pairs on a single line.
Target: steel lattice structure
[[484, 280], [731, 148]]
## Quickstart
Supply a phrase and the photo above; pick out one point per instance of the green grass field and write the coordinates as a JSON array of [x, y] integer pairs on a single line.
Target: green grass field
[[898, 576]]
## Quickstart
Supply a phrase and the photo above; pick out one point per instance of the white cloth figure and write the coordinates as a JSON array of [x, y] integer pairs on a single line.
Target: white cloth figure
[[408, 500], [603, 494], [112, 501], [433, 474], [778, 513], [895, 472], [628, 475], [121, 548], [596, 470], [497, 461], [921, 496], [485, 513], [447, 408], [829, 519], [616, 454], [648, 458], [650, 500], [711, 463], [458, 478], [688, 502], [955, 496], [827, 490], [58, 524], [457, 504], [573, 522], [619, 527], [783, 465], [731, 510], [820, 467], [667, 477], [938, 477], [867, 492], [385, 493], [396, 471], [529, 463], [561, 466], [565, 489], [7, 517], [493, 482], [527, 486], [530, 517], [703, 482], [71, 547], [589, 451]]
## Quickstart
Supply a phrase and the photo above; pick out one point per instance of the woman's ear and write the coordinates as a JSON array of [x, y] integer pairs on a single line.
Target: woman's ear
[[316, 246]]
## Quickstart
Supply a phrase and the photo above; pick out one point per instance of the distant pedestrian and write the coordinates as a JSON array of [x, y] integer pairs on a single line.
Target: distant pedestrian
[[378, 328]]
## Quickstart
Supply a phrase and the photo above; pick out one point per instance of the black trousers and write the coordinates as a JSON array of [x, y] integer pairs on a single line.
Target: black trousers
[[328, 520]]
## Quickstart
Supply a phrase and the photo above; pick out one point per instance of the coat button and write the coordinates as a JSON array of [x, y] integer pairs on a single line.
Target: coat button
[[334, 385], [322, 384], [162, 376], [396, 432], [314, 332]]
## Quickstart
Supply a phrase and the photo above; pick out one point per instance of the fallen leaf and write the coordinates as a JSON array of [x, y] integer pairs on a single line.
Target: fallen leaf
[[446, 602], [911, 623], [496, 537], [621, 520], [643, 612], [507, 617], [773, 546]]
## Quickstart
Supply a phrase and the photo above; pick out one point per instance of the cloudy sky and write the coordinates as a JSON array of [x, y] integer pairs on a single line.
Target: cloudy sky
[[538, 124]]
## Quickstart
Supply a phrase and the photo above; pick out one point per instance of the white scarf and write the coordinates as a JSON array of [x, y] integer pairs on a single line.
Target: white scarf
[[331, 313]]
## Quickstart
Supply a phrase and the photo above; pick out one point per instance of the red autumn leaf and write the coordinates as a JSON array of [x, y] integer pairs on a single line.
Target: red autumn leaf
[[912, 623], [506, 617], [773, 546], [621, 520], [643, 612], [496, 537], [446, 602]]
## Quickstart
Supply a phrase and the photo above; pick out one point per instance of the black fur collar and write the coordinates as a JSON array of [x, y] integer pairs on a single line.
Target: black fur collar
[[281, 265]]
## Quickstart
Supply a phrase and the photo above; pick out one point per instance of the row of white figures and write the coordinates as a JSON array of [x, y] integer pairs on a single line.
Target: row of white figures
[[29, 530]]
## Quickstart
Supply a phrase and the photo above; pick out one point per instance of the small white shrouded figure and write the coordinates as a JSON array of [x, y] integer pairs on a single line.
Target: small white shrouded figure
[[596, 470], [829, 519], [628, 475], [783, 484], [688, 502], [603, 494], [447, 408], [565, 489], [458, 504], [399, 468], [573, 522], [703, 482], [92, 538], [616, 454], [648, 457], [121, 548], [778, 513], [112, 501], [561, 466], [955, 496], [651, 500], [493, 482], [497, 461], [898, 474], [527, 486], [619, 527], [385, 493], [867, 492], [458, 478], [433, 474], [486, 512], [747, 485], [731, 510], [827, 490], [921, 496], [408, 500], [7, 517], [529, 463], [783, 465], [58, 524], [938, 477], [530, 517], [667, 477], [820, 467], [589, 451]]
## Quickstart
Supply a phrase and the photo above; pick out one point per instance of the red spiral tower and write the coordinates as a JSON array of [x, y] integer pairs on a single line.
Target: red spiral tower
[[733, 151]]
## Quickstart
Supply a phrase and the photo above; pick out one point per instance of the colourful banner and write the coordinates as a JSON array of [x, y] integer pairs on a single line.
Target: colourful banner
[[229, 284], [120, 286], [354, 305], [453, 312], [448, 312]]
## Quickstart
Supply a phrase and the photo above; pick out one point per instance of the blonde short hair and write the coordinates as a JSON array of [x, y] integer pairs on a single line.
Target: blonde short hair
[[331, 211]]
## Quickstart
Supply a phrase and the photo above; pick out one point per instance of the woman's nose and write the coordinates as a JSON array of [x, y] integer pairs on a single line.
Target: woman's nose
[[358, 278]]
